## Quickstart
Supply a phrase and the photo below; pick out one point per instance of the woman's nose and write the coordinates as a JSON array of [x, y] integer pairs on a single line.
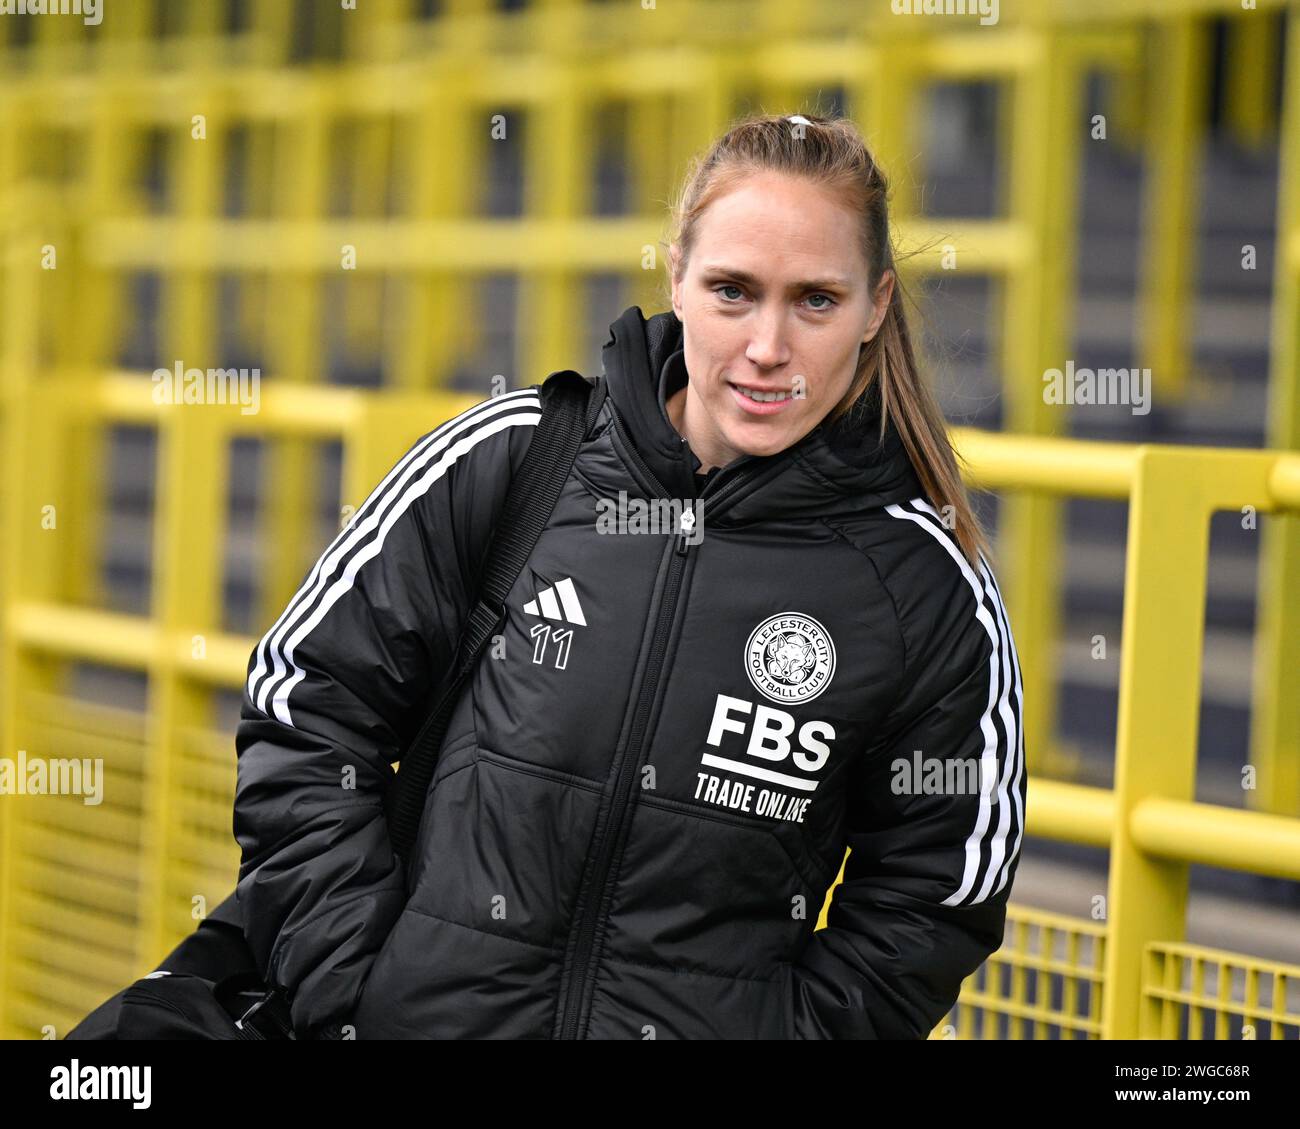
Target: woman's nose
[[767, 343]]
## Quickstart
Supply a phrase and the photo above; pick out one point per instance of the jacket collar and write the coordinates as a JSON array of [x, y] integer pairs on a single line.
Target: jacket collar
[[835, 469]]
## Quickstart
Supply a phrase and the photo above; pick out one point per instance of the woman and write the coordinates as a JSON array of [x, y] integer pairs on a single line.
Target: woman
[[643, 799]]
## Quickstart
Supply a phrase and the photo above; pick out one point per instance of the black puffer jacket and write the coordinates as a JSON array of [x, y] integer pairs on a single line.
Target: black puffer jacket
[[643, 799]]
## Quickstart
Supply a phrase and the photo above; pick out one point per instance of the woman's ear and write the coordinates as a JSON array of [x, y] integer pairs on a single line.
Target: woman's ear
[[884, 295]]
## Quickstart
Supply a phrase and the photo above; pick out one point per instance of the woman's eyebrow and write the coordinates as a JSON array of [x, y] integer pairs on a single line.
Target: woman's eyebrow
[[829, 283]]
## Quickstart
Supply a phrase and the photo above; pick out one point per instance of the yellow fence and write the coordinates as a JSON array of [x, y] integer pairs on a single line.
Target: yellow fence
[[120, 154], [92, 895], [1150, 821]]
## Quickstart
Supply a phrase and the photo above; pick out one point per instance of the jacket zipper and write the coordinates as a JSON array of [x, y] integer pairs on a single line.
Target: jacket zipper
[[574, 1000]]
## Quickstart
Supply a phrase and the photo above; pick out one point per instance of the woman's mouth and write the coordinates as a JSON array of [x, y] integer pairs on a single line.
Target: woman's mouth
[[759, 402]]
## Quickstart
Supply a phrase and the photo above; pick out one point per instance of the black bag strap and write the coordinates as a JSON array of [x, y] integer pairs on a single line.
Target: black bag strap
[[569, 405]]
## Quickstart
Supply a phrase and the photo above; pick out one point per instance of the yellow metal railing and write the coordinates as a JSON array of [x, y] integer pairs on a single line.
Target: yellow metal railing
[[1044, 982], [1275, 736], [1151, 822], [1243, 999], [426, 89], [154, 863]]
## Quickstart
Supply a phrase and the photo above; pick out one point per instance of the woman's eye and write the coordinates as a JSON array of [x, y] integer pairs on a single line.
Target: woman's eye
[[829, 301], [729, 286]]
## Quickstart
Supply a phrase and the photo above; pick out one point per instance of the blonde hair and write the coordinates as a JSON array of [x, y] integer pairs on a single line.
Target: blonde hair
[[831, 152]]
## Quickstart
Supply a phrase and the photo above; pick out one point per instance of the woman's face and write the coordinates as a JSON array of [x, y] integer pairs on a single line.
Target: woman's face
[[774, 298]]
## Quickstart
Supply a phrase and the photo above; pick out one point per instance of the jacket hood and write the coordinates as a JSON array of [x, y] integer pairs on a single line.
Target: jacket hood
[[837, 468]]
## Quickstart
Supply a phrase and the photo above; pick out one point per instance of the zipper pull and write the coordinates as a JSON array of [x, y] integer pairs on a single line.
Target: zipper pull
[[686, 525]]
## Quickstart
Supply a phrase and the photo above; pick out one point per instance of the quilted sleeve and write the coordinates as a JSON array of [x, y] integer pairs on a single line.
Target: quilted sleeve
[[935, 814]]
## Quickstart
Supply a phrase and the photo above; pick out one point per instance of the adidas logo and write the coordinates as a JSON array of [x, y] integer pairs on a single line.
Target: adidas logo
[[559, 602]]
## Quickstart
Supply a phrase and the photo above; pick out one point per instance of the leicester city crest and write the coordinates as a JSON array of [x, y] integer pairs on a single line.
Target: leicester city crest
[[790, 658]]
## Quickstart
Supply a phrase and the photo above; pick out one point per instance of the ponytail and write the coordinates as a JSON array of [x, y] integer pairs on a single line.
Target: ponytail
[[889, 361]]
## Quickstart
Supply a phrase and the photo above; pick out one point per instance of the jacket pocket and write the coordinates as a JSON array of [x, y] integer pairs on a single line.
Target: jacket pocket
[[809, 869], [503, 760]]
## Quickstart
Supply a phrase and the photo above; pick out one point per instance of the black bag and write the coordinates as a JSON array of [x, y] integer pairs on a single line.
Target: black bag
[[211, 980], [209, 986]]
